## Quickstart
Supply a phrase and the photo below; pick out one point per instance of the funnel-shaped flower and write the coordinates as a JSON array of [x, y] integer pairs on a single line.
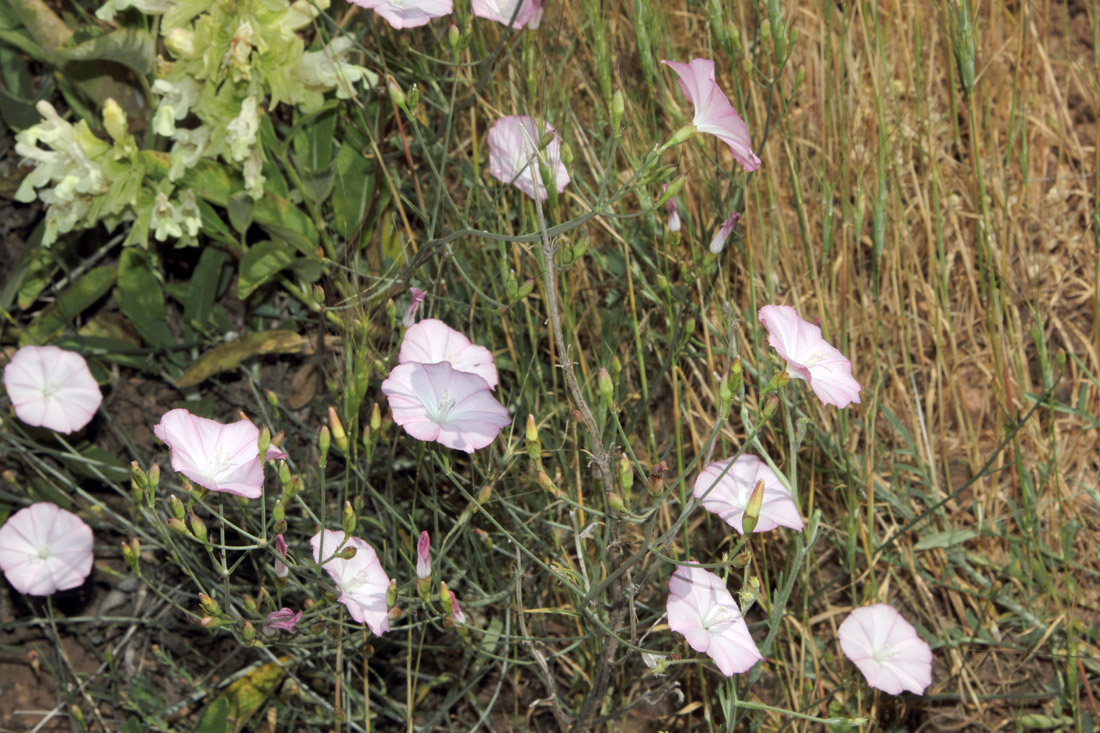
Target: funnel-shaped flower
[[432, 341], [732, 490], [513, 144], [435, 402], [713, 111], [218, 456], [528, 14], [416, 298], [408, 13], [702, 609], [886, 649], [424, 557], [809, 356], [361, 580], [52, 388], [44, 549]]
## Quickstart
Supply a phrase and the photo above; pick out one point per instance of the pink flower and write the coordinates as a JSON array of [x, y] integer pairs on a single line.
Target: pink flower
[[362, 581], [502, 11], [44, 549], [432, 341], [702, 609], [456, 613], [809, 356], [418, 296], [731, 492], [673, 212], [282, 620], [281, 570], [423, 557], [513, 143], [713, 111], [886, 649], [52, 388], [218, 456], [719, 242], [435, 402], [408, 13]]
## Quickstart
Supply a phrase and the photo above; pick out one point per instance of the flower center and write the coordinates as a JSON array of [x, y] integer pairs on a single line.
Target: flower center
[[43, 552], [813, 359], [885, 654], [443, 409], [219, 463], [50, 389], [716, 616]]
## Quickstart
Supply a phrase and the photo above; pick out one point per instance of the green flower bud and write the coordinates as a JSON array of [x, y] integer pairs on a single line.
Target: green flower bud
[[114, 120], [324, 439], [284, 473], [615, 502], [349, 518], [209, 605], [375, 418], [176, 505], [682, 135], [770, 406], [177, 526], [248, 631], [412, 99], [672, 191], [626, 476], [346, 554], [544, 482], [338, 433], [607, 389], [139, 483], [752, 509], [198, 527], [396, 95], [618, 107]]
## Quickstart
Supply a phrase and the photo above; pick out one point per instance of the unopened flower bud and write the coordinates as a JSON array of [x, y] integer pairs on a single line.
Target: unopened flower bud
[[615, 502], [177, 526], [397, 96], [626, 476], [324, 439], [154, 481], [130, 556], [457, 616], [284, 473], [737, 379], [249, 604], [752, 509], [183, 43], [139, 483], [264, 443], [742, 559], [198, 527], [566, 155], [346, 554], [544, 482], [445, 598], [534, 445], [391, 593], [375, 418], [272, 400], [417, 297], [349, 518], [618, 107], [484, 495], [209, 605], [682, 135], [248, 631], [607, 389], [338, 433], [770, 406], [454, 37], [616, 367], [114, 120], [412, 99]]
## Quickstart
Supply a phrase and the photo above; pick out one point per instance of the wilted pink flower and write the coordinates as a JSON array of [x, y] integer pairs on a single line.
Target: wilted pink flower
[[407, 13], [435, 402], [52, 388], [218, 456], [731, 493], [281, 570], [362, 581], [673, 212], [702, 609], [513, 143], [423, 557], [809, 356], [432, 341], [456, 613], [713, 111], [418, 296], [886, 649], [719, 242], [44, 549], [282, 620], [502, 11]]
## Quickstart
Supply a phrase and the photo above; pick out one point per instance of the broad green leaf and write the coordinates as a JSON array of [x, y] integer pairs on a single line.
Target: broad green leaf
[[141, 297], [946, 539], [316, 183], [18, 113], [92, 286], [33, 271], [246, 696], [133, 725], [200, 295], [314, 136], [353, 190], [260, 263], [109, 349], [215, 719], [95, 462], [240, 208], [132, 47], [228, 356]]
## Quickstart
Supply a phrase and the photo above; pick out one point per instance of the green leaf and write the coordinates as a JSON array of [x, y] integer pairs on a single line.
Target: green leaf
[[198, 302], [316, 183], [946, 539], [240, 208], [353, 190], [260, 263], [133, 48], [92, 286], [95, 462], [141, 297], [215, 719], [314, 137], [228, 356], [243, 698]]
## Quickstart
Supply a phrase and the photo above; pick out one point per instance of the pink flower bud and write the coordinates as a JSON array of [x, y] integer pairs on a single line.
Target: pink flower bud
[[418, 296], [282, 620], [456, 614], [423, 557], [719, 242], [281, 570], [673, 212]]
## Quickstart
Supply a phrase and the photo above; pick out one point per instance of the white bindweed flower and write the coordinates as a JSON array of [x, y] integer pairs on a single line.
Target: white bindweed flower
[[362, 582], [52, 388], [44, 549], [886, 649]]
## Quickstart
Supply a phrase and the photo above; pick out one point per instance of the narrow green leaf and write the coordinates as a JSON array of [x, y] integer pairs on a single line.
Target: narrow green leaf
[[203, 289], [353, 190], [132, 47], [77, 297], [260, 263], [946, 539], [141, 297]]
